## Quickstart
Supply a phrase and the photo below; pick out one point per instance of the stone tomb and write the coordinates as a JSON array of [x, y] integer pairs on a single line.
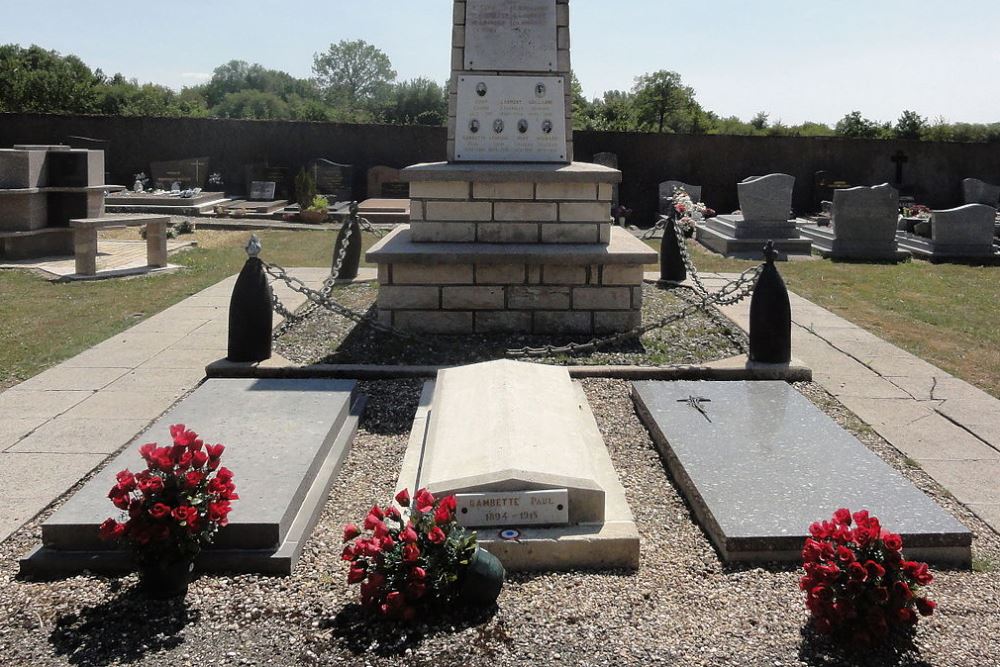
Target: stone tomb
[[958, 234], [975, 191], [285, 441], [758, 463], [863, 225], [765, 215], [518, 445]]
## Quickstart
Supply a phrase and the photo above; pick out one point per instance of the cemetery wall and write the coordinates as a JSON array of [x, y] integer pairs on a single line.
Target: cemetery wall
[[935, 170]]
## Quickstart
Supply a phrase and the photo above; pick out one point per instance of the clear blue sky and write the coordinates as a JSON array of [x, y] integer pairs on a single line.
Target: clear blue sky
[[795, 59]]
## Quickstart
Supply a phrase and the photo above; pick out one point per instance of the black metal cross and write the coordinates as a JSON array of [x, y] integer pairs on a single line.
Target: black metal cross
[[900, 159], [696, 403]]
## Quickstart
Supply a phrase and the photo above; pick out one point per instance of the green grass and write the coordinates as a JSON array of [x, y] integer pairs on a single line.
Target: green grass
[[945, 314], [44, 323]]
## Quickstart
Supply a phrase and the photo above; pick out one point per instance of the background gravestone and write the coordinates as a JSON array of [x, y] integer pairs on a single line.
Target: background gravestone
[[975, 191], [667, 194], [385, 183], [189, 172], [333, 180], [262, 190], [864, 222]]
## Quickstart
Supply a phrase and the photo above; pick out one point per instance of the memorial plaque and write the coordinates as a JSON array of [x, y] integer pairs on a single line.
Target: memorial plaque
[[190, 173], [262, 190], [515, 508], [510, 119], [518, 36], [334, 181]]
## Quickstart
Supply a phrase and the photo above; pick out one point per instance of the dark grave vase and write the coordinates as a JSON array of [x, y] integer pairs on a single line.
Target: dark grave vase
[[770, 316], [352, 255], [482, 579], [166, 579], [250, 315], [671, 261]]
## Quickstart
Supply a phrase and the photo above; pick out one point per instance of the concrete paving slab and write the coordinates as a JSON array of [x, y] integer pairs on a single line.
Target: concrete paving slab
[[934, 437], [179, 357], [31, 404], [13, 429], [204, 339], [988, 512], [164, 323], [970, 481], [69, 435], [858, 386], [71, 378], [759, 463], [145, 405], [172, 380]]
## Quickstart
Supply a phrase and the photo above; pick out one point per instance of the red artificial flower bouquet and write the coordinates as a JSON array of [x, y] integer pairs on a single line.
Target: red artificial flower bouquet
[[858, 584], [407, 560], [176, 505]]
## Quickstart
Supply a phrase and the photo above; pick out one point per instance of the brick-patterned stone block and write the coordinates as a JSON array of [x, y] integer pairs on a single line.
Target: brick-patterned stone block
[[507, 232], [383, 275], [500, 274], [562, 232], [509, 321], [432, 274], [434, 321], [472, 298], [566, 191], [621, 274], [542, 297], [564, 275], [443, 232], [439, 190], [602, 298], [416, 210], [464, 211], [526, 211], [562, 322], [584, 212], [501, 191], [394, 297], [616, 321]]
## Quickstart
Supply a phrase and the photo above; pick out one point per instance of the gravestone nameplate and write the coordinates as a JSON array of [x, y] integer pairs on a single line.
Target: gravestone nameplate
[[189, 173], [262, 190], [333, 180], [513, 508], [510, 119], [511, 36]]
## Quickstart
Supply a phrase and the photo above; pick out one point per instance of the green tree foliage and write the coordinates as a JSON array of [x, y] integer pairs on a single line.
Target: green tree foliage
[[909, 126], [35, 80], [417, 102], [662, 102], [856, 126], [354, 75], [760, 121], [238, 75]]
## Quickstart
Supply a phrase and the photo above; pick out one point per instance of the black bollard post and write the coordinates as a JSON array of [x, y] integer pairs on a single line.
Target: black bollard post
[[250, 311], [672, 267], [352, 254], [770, 315]]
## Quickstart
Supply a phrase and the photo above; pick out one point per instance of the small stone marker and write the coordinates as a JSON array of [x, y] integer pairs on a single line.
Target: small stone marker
[[758, 463], [262, 190], [515, 508]]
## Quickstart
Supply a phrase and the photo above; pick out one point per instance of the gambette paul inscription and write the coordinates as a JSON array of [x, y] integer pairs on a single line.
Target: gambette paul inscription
[[516, 508], [510, 119], [515, 35]]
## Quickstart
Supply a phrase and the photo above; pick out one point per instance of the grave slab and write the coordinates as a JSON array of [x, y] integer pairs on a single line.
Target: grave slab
[[505, 428], [759, 463], [285, 441]]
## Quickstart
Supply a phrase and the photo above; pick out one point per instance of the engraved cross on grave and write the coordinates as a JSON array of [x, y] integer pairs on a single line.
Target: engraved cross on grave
[[510, 82]]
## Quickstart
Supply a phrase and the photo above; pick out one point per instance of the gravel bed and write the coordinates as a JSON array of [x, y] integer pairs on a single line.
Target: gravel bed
[[682, 606], [324, 337]]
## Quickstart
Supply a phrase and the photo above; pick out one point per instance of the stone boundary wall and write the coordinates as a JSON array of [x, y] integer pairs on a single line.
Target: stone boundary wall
[[504, 298], [717, 163]]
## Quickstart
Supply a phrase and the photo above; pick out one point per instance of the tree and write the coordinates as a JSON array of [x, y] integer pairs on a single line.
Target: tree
[[615, 112], [419, 101], [910, 125], [760, 121], [354, 74], [660, 100], [36, 80], [857, 126], [252, 104]]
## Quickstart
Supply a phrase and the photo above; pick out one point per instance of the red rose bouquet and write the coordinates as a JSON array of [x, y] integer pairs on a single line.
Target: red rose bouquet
[[405, 562], [177, 504], [857, 583]]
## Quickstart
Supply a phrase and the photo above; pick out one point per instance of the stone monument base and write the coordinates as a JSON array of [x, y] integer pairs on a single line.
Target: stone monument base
[[729, 236], [459, 288]]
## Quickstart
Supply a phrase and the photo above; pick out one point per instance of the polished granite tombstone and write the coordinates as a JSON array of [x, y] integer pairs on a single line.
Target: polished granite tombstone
[[759, 463], [285, 441]]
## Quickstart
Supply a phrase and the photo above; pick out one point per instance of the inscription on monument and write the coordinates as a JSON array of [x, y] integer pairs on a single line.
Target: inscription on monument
[[519, 508], [516, 36], [510, 119]]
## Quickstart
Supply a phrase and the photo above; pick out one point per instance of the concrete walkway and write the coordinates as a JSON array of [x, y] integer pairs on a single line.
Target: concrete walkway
[[945, 425], [61, 424]]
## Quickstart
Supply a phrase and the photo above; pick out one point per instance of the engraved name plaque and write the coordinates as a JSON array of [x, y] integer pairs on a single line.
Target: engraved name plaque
[[517, 35], [510, 119], [515, 508]]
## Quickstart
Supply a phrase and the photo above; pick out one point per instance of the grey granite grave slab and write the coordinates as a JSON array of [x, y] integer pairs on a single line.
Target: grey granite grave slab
[[285, 441], [759, 463], [965, 231], [766, 199], [975, 191], [864, 222]]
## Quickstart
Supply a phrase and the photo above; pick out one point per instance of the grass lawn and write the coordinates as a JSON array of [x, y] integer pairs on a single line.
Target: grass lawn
[[946, 314], [44, 323]]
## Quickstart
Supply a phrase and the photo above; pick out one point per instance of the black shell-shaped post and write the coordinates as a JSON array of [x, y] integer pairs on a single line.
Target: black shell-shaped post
[[672, 267], [770, 315], [352, 258], [250, 311]]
